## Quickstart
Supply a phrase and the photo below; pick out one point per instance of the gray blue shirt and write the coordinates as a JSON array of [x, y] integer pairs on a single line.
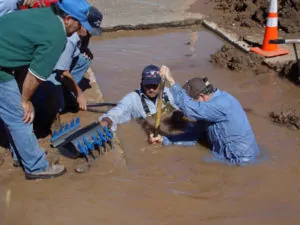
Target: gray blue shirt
[[225, 124], [7, 6], [70, 52], [65, 60], [131, 107]]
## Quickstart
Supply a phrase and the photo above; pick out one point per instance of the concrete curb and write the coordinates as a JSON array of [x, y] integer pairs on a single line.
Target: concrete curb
[[228, 36], [179, 23], [94, 86]]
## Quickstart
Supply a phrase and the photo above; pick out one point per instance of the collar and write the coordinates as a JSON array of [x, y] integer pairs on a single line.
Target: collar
[[216, 94]]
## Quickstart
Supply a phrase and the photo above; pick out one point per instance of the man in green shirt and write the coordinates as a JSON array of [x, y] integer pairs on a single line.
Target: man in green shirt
[[34, 38]]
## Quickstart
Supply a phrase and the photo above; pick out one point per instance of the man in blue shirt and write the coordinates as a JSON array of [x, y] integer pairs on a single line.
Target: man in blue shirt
[[139, 103], [220, 119], [68, 72]]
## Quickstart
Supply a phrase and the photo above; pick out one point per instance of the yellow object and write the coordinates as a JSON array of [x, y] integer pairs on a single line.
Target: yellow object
[[159, 107]]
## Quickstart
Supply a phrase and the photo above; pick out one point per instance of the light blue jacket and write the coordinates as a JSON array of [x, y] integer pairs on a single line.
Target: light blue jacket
[[131, 107], [223, 120], [7, 6]]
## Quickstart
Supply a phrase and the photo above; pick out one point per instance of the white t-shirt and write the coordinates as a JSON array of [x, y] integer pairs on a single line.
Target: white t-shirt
[[7, 6]]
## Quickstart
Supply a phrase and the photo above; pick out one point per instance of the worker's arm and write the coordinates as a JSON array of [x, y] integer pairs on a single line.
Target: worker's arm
[[198, 110], [29, 86], [121, 113], [69, 82]]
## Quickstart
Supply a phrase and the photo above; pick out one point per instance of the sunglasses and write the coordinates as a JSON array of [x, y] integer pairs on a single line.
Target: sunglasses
[[151, 86]]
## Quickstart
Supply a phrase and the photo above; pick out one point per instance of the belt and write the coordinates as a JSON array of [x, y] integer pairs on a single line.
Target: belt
[[7, 70]]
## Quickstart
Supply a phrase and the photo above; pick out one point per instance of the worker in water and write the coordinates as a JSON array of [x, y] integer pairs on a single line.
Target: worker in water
[[220, 119], [140, 103]]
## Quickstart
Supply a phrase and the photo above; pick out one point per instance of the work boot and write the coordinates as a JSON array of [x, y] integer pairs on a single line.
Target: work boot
[[51, 172]]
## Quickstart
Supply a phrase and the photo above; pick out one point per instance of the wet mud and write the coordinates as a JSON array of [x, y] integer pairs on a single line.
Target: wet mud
[[235, 60], [253, 13], [184, 23], [241, 15], [287, 118]]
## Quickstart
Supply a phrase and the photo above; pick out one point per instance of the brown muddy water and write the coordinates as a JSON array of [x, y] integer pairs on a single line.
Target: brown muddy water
[[172, 185]]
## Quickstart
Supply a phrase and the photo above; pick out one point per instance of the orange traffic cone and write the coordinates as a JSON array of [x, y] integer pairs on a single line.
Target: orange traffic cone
[[271, 32]]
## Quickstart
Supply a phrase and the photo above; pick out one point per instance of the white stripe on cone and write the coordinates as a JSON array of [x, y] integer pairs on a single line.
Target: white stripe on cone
[[272, 22]]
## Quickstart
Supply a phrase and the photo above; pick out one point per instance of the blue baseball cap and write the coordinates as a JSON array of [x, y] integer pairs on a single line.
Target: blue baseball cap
[[94, 19], [89, 17], [150, 75]]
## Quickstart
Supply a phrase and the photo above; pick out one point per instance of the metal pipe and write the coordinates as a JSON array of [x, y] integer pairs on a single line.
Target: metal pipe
[[284, 41]]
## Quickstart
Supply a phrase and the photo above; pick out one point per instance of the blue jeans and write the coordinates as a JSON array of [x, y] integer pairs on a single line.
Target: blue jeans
[[25, 144], [80, 68]]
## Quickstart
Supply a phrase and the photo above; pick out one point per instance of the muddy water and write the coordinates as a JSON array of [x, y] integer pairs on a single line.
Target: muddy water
[[171, 185]]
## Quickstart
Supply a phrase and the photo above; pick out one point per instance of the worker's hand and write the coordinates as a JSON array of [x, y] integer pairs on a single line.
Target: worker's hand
[[29, 3], [28, 111], [166, 73], [106, 122], [86, 52], [157, 139], [81, 101]]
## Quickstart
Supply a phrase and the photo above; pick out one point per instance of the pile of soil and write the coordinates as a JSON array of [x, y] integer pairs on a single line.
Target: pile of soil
[[288, 118], [253, 13], [233, 59]]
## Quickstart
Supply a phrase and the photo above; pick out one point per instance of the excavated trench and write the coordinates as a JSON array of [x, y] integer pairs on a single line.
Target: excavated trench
[[174, 185]]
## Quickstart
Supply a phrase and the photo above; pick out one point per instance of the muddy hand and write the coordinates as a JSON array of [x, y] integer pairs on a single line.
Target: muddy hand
[[166, 73], [106, 122], [157, 139], [81, 101], [103, 123]]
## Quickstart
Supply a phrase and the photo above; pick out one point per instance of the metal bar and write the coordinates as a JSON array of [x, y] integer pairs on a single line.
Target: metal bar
[[284, 41], [111, 104]]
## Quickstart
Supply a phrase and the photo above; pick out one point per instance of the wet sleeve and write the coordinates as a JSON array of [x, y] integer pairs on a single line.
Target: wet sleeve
[[171, 98], [45, 58], [122, 112], [200, 110], [188, 138]]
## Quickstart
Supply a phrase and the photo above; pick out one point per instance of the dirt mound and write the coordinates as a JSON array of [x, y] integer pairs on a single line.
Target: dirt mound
[[288, 118], [236, 60], [253, 13]]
